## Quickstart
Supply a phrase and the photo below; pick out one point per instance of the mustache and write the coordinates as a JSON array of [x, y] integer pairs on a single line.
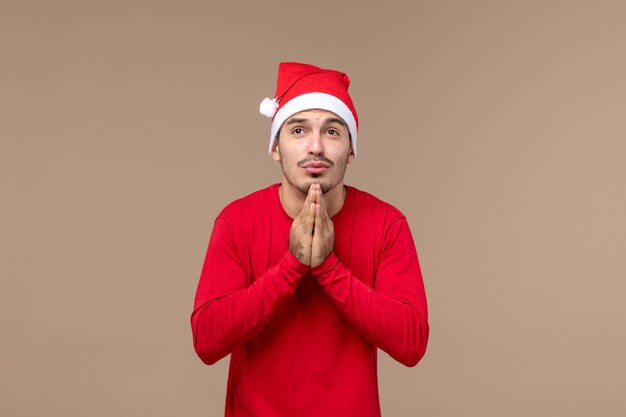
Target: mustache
[[322, 159]]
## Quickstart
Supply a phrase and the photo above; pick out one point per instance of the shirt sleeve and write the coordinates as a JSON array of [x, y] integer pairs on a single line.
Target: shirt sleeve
[[228, 311], [393, 315]]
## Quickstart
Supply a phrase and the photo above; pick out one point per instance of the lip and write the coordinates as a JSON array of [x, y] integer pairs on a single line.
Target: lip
[[315, 164], [316, 169]]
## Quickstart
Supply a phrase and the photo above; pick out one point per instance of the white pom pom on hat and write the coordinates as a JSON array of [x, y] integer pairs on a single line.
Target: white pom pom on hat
[[303, 87], [268, 107]]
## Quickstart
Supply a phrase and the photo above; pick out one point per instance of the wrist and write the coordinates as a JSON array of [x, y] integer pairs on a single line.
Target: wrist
[[295, 264], [324, 265]]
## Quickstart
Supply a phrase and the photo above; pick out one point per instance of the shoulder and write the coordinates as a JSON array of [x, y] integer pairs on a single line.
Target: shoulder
[[246, 207], [368, 205]]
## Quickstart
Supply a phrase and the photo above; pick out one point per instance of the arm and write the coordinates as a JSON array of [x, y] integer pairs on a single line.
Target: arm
[[393, 315], [227, 310]]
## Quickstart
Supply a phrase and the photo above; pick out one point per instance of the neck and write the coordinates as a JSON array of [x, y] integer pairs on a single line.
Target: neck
[[292, 199]]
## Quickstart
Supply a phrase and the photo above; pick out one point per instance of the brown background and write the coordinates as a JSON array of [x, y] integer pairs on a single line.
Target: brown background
[[497, 127]]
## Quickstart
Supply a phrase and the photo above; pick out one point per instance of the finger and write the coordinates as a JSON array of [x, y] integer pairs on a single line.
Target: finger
[[320, 197], [315, 187], [310, 198], [322, 203], [318, 220], [323, 218], [311, 218]]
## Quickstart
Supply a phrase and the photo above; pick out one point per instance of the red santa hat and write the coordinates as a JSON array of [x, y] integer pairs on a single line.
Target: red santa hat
[[303, 87]]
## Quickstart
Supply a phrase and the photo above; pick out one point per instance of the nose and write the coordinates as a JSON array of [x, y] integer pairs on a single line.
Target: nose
[[316, 146]]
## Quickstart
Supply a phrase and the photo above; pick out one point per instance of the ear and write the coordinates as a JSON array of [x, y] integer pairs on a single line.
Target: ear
[[351, 155], [275, 150]]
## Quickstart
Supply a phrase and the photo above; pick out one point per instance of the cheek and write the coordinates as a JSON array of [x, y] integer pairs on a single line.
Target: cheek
[[290, 152], [343, 155]]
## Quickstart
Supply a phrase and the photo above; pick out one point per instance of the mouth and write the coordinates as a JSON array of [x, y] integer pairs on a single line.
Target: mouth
[[315, 167]]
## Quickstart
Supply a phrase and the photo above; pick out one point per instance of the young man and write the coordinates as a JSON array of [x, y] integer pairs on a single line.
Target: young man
[[305, 279]]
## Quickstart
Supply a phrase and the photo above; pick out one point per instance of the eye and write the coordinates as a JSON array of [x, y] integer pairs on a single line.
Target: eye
[[333, 132], [297, 131]]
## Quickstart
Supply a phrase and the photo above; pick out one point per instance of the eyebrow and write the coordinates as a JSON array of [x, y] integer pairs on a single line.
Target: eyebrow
[[297, 120], [335, 120]]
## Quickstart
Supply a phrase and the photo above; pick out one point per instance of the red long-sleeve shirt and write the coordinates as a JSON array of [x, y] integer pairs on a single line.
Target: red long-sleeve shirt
[[303, 340]]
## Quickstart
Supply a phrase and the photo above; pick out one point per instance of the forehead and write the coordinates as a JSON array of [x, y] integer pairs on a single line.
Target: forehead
[[316, 115]]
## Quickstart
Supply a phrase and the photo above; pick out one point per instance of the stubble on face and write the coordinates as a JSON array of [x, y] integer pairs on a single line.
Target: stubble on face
[[316, 178]]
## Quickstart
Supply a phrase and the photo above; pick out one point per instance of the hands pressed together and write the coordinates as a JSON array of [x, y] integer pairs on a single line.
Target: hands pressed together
[[312, 234]]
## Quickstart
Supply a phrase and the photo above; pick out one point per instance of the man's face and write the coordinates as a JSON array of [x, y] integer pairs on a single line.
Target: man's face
[[313, 146]]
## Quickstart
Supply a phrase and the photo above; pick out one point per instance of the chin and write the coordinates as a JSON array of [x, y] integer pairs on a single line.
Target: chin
[[305, 183], [326, 187], [304, 188]]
